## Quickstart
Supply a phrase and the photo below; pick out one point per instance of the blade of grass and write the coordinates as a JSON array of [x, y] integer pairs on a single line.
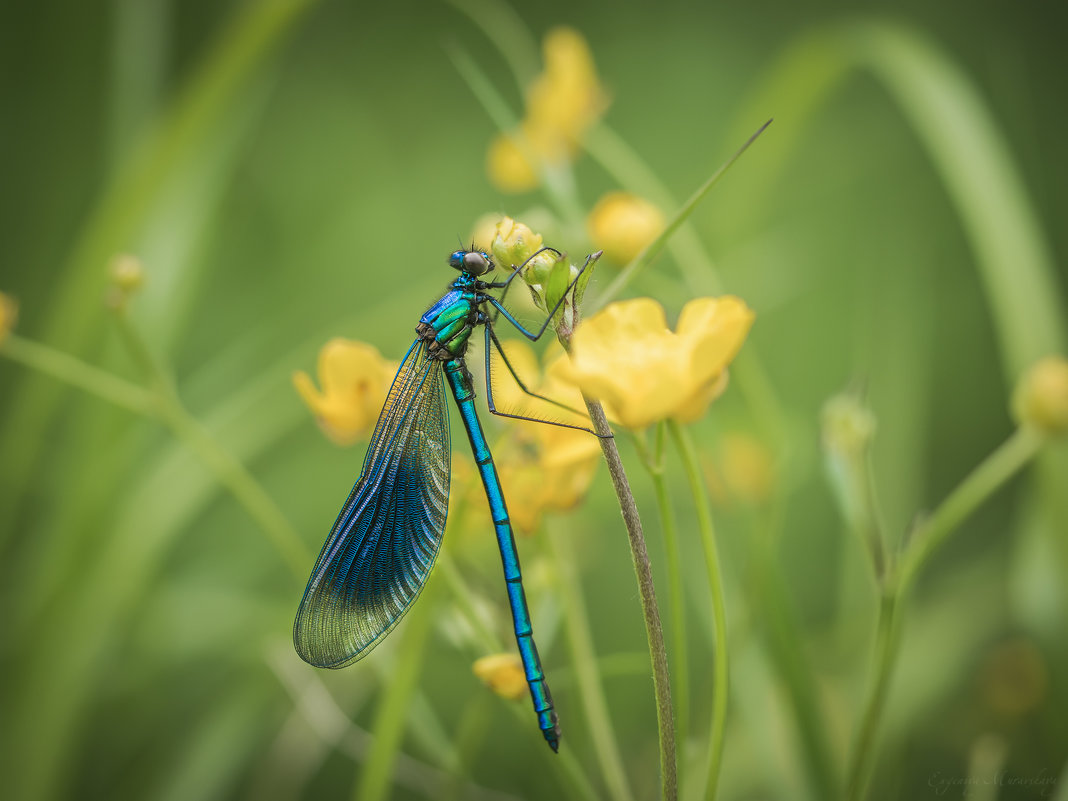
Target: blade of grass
[[652, 250], [252, 36]]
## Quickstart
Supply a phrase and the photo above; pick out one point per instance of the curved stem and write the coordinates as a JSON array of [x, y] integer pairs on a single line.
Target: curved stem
[[72, 370], [994, 471], [720, 662], [227, 468], [653, 628], [887, 640], [391, 717], [989, 476], [654, 465], [584, 659]]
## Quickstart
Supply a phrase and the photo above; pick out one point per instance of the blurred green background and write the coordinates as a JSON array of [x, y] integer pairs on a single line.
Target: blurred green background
[[289, 171]]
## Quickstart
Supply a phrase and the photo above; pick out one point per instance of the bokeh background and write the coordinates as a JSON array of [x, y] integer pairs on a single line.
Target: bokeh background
[[290, 170]]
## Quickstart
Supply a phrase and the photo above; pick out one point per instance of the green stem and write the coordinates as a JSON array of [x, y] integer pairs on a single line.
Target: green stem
[[584, 658], [887, 640], [74, 371], [652, 250], [720, 662], [164, 405], [253, 34], [994, 471], [989, 476], [391, 717], [653, 629], [246, 490], [229, 470], [654, 465]]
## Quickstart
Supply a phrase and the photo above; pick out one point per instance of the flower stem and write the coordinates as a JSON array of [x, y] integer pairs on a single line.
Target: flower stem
[[887, 640], [77, 373], [654, 464], [653, 628], [989, 476], [584, 659], [391, 717], [720, 662], [162, 403], [994, 471]]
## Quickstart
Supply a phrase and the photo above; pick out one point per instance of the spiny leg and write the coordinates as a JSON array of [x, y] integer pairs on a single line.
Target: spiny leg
[[491, 336], [518, 325], [506, 284]]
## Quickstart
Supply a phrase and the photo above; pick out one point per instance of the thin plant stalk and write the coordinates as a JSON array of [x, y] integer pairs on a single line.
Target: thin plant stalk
[[654, 464], [162, 403], [229, 470], [391, 719], [989, 476], [653, 628], [591, 689], [720, 662]]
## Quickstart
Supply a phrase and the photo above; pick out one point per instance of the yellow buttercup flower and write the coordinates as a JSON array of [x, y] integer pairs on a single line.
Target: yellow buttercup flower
[[1041, 397], [561, 104], [627, 356], [748, 467], [355, 380], [502, 673], [623, 224], [508, 165], [542, 467], [513, 243], [9, 314]]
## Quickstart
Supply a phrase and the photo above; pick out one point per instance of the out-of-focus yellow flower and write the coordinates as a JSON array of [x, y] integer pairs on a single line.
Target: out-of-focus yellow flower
[[355, 380], [748, 467], [485, 230], [9, 314], [542, 467], [502, 673], [628, 357], [127, 273], [622, 224], [1041, 397], [508, 166], [561, 104]]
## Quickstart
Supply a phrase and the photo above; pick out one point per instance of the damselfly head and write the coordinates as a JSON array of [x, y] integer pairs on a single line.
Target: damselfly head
[[472, 262]]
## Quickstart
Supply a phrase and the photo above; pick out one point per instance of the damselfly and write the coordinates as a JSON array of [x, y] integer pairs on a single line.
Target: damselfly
[[386, 539]]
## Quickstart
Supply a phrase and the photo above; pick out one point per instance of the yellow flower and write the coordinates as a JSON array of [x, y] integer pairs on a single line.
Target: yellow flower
[[485, 230], [508, 166], [127, 273], [542, 467], [1041, 397], [748, 467], [502, 673], [9, 314], [644, 372], [513, 243], [623, 224], [561, 104], [355, 381]]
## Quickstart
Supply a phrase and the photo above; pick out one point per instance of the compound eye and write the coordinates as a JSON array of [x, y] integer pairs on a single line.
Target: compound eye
[[477, 263], [456, 260]]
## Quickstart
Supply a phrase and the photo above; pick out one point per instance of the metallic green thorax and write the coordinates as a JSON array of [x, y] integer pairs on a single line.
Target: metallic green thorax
[[447, 325]]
